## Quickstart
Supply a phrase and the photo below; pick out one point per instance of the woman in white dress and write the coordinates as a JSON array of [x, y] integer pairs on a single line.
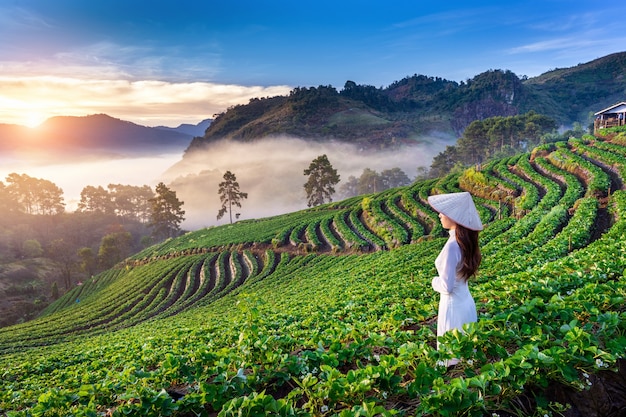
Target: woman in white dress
[[457, 262]]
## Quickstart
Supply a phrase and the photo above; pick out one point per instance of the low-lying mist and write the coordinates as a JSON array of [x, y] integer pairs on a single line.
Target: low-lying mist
[[74, 174], [271, 171]]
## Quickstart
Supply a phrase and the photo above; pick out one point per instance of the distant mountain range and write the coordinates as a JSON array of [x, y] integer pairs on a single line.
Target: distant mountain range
[[189, 129], [419, 105], [95, 135]]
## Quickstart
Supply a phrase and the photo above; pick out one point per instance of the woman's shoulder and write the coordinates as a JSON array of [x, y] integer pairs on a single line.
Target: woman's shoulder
[[452, 246]]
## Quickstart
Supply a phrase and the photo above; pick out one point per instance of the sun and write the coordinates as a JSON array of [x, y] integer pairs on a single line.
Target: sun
[[33, 120]]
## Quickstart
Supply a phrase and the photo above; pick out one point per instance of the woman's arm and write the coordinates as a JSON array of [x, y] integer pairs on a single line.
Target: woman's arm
[[447, 265]]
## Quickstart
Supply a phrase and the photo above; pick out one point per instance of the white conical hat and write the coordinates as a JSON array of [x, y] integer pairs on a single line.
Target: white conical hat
[[459, 207]]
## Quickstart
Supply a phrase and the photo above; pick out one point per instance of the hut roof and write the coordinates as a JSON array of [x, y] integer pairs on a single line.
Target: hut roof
[[615, 108]]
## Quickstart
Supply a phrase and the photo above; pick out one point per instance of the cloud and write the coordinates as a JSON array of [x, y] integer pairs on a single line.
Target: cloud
[[271, 171], [146, 102], [554, 44]]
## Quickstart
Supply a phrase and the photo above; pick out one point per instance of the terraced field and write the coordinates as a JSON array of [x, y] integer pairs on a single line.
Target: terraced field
[[329, 311]]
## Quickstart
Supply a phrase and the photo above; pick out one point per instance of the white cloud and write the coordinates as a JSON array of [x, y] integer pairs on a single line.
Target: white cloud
[[148, 102]]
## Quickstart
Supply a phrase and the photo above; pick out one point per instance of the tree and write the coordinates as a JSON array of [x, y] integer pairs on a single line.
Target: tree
[[61, 252], [31, 248], [95, 200], [394, 177], [34, 195], [229, 195], [444, 162], [349, 188], [166, 213], [7, 201], [322, 180], [131, 202], [370, 182], [55, 291], [88, 260], [49, 198], [114, 247]]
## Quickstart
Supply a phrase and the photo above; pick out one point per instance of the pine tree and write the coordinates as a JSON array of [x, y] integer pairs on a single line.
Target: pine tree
[[229, 195], [166, 213], [322, 180]]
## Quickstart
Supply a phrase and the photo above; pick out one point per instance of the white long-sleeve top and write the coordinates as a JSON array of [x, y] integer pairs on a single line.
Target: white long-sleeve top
[[456, 305], [448, 263]]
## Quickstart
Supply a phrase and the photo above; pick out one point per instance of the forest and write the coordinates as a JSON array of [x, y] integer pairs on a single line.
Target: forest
[[45, 251]]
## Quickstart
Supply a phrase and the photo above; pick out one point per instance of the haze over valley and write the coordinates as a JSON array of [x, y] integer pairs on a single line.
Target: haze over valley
[[269, 170]]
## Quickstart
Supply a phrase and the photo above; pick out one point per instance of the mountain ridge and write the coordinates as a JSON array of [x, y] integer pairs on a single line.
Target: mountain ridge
[[97, 134], [418, 105], [189, 129]]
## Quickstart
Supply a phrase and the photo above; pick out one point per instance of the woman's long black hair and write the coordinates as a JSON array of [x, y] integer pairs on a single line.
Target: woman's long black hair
[[468, 242]]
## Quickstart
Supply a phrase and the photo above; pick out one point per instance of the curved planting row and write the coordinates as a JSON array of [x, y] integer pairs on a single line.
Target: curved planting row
[[155, 290], [597, 180], [613, 162]]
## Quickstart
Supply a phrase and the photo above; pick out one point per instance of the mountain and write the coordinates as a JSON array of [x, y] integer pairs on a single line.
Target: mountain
[[89, 135], [416, 106], [189, 129]]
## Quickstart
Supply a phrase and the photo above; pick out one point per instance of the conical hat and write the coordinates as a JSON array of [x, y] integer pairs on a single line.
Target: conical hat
[[459, 207]]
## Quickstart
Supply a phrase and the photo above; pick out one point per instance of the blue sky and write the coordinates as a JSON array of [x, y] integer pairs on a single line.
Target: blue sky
[[170, 62]]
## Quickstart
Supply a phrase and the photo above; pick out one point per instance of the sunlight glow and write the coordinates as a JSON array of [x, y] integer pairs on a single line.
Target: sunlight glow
[[33, 120], [31, 100]]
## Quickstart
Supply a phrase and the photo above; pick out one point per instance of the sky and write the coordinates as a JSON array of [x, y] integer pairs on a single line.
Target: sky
[[156, 62]]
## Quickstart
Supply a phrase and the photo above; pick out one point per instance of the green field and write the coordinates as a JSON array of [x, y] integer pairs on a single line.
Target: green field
[[329, 311]]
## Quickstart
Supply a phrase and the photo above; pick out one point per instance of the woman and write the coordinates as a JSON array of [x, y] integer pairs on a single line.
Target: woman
[[458, 261]]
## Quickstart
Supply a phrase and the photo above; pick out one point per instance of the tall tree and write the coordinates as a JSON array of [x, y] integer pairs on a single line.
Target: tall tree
[[34, 195], [95, 200], [166, 213], [114, 247], [131, 202], [62, 253], [349, 188], [7, 201], [322, 180], [370, 181], [229, 195], [88, 260], [49, 198], [394, 177]]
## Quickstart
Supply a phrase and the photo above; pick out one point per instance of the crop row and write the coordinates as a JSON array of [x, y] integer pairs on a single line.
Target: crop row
[[612, 161], [597, 180], [159, 289]]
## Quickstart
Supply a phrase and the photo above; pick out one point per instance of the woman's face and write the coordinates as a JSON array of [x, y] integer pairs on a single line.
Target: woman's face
[[446, 222]]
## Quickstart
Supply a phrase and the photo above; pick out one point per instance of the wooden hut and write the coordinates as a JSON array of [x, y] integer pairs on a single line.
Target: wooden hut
[[610, 117]]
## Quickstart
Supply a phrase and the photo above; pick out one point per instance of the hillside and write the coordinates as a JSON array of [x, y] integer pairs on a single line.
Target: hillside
[[410, 109], [329, 311]]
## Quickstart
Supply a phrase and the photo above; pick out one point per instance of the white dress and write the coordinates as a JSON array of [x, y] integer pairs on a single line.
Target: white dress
[[456, 305]]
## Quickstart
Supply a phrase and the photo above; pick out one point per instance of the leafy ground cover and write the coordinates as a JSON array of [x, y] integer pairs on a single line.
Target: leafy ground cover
[[329, 311]]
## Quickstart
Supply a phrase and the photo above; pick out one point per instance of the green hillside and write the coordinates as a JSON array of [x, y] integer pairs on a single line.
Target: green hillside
[[410, 110], [330, 311]]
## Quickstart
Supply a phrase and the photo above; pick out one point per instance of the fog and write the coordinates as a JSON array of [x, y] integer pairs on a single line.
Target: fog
[[72, 175], [271, 171]]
